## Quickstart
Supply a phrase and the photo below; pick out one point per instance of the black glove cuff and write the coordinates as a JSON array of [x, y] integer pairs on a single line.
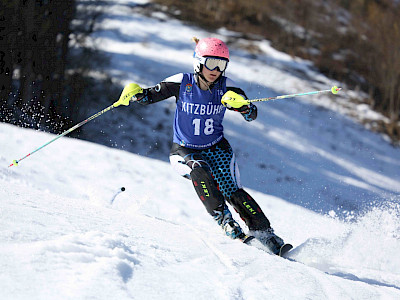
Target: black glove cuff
[[244, 109], [143, 98]]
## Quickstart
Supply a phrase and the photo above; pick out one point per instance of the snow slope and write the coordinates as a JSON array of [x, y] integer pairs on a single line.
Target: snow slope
[[62, 239], [328, 186]]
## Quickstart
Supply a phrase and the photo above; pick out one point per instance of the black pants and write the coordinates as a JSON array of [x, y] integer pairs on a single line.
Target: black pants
[[216, 179]]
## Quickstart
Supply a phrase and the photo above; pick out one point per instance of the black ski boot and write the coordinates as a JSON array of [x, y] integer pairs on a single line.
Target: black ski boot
[[269, 239]]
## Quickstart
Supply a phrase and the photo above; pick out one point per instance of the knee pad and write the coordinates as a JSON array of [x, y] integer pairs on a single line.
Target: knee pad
[[207, 190], [249, 210]]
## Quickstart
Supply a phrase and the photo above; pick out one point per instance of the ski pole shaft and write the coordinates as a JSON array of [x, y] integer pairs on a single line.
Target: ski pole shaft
[[128, 95], [15, 162], [116, 194], [333, 90]]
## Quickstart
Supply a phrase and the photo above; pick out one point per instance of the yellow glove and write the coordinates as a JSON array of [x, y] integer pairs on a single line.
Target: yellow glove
[[233, 100], [129, 91]]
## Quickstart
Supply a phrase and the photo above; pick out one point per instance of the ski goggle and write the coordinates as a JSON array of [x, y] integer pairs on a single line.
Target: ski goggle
[[212, 63]]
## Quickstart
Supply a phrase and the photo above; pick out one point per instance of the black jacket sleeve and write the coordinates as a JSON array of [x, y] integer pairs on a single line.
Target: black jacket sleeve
[[164, 90]]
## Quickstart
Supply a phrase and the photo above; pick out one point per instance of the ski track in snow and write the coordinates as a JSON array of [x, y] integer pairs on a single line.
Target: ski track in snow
[[329, 187]]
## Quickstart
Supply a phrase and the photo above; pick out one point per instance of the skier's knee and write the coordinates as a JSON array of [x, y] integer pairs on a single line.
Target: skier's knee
[[184, 165], [202, 173], [179, 165]]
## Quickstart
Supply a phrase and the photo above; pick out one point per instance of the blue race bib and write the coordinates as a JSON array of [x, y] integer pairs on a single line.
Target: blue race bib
[[199, 114]]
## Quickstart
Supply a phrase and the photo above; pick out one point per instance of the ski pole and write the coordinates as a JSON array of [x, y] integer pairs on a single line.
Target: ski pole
[[127, 95], [116, 194], [15, 162], [333, 90]]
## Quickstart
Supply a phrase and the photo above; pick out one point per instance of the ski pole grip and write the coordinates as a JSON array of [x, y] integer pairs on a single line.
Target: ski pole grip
[[128, 92]]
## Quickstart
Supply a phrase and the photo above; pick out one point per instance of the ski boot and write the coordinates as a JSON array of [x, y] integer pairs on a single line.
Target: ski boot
[[228, 224], [269, 239]]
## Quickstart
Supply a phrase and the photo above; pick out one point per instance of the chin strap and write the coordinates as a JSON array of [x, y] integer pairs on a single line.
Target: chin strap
[[209, 86], [209, 83], [203, 77]]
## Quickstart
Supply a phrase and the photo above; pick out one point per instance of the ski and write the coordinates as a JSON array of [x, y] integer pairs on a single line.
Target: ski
[[245, 239], [285, 249], [252, 241]]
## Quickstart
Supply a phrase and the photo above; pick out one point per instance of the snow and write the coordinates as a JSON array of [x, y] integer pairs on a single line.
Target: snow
[[328, 185]]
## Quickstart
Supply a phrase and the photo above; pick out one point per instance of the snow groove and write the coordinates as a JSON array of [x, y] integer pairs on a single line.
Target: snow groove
[[223, 258], [92, 251]]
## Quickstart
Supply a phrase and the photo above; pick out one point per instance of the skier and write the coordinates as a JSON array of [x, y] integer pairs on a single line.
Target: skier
[[200, 151]]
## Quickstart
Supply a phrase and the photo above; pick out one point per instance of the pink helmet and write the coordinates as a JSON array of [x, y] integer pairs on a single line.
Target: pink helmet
[[209, 47]]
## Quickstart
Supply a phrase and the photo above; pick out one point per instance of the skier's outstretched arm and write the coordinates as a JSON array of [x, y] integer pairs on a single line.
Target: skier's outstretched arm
[[167, 88]]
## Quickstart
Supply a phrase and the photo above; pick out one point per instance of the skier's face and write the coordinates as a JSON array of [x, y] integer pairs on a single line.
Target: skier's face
[[211, 76]]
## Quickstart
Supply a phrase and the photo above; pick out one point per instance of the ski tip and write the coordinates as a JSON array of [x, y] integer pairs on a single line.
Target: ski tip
[[285, 249]]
